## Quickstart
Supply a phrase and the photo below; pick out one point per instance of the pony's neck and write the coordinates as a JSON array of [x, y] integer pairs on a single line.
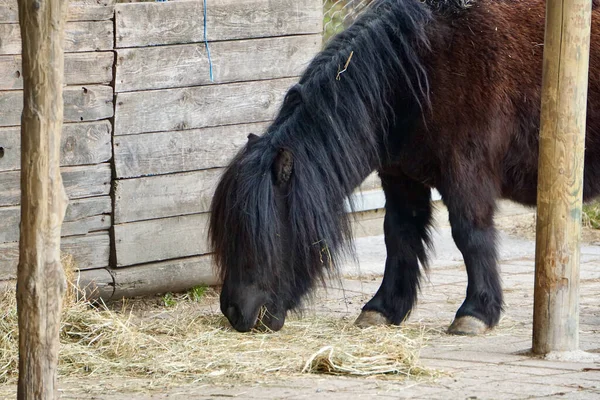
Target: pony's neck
[[367, 82]]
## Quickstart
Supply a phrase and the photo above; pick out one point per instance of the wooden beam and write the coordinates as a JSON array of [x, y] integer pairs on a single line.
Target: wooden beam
[[560, 185], [161, 239], [179, 151], [199, 106], [233, 61], [82, 103], [40, 277], [165, 195], [89, 252], [150, 24], [82, 181], [80, 36], [79, 10], [80, 69], [84, 143]]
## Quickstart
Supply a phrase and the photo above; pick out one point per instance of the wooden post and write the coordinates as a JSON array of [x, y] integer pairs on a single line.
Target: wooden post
[[560, 184], [41, 280]]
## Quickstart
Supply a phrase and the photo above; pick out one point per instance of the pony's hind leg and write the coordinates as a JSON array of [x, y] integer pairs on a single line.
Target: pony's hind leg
[[406, 225], [471, 215]]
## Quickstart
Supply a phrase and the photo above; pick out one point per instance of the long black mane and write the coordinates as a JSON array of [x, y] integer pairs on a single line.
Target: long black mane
[[368, 81]]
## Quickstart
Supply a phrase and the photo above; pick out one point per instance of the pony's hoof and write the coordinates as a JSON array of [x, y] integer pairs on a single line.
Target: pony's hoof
[[370, 318], [468, 325]]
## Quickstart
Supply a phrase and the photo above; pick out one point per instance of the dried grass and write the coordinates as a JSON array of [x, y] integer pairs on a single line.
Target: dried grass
[[591, 215], [186, 343]]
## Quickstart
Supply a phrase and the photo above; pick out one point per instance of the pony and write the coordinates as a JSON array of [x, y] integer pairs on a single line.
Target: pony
[[438, 94]]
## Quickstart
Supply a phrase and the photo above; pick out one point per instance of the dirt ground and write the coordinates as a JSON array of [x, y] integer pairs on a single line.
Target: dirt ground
[[492, 366]]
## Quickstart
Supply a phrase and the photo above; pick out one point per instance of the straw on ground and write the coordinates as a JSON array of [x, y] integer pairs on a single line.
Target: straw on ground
[[187, 343]]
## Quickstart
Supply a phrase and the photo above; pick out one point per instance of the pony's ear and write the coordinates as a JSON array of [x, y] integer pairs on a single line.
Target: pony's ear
[[282, 169], [252, 138]]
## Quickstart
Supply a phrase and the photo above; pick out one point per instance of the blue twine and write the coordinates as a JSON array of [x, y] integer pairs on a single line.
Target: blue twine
[[210, 64]]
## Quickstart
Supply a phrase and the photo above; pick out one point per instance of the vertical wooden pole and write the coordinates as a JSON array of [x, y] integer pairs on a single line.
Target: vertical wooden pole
[[560, 184], [41, 279]]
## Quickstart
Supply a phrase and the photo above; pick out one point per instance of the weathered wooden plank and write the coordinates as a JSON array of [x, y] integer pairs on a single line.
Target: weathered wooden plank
[[10, 218], [96, 284], [199, 107], [179, 151], [91, 10], [161, 239], [82, 103], [81, 144], [83, 216], [233, 61], [83, 208], [166, 276], [79, 36], [95, 223], [164, 195], [80, 68], [87, 215], [80, 182], [147, 24], [89, 251], [9, 258], [78, 10]]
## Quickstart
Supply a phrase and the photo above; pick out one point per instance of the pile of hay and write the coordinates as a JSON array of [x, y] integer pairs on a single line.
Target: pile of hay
[[185, 343]]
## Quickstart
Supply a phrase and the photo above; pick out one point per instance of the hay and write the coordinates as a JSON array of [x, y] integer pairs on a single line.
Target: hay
[[190, 343]]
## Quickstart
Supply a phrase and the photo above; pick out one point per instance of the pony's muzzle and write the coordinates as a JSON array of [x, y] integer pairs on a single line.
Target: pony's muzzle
[[246, 308], [239, 321], [270, 318]]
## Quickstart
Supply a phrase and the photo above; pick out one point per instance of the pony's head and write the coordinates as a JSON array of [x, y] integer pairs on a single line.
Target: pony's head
[[251, 235]]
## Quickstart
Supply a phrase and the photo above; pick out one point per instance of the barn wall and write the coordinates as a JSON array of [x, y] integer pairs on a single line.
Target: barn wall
[[86, 140], [147, 133], [175, 130]]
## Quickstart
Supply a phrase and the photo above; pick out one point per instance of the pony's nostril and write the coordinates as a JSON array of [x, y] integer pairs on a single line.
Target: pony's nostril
[[231, 313]]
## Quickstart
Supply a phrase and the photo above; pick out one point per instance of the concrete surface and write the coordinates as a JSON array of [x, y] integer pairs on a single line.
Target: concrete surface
[[494, 366]]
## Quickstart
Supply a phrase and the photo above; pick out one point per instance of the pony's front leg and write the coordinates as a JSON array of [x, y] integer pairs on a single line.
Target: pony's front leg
[[471, 218], [406, 225]]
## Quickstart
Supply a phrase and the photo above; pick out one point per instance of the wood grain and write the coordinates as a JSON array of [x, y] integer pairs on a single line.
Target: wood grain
[[233, 61], [560, 181], [161, 239], [199, 107], [78, 10], [96, 284], [89, 252], [80, 68], [167, 276], [80, 182], [83, 216], [148, 279], [81, 144], [82, 103], [79, 36], [180, 151], [41, 280], [165, 195], [149, 24]]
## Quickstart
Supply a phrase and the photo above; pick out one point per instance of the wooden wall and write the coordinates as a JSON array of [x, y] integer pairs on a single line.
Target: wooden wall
[[140, 170], [175, 129], [86, 141]]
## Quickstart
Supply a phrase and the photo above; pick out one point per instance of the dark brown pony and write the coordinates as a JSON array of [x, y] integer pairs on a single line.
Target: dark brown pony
[[436, 94]]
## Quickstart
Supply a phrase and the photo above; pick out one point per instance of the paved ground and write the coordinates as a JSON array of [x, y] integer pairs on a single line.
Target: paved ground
[[494, 366]]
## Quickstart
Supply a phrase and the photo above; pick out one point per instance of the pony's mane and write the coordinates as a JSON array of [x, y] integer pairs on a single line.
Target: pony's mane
[[334, 123]]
